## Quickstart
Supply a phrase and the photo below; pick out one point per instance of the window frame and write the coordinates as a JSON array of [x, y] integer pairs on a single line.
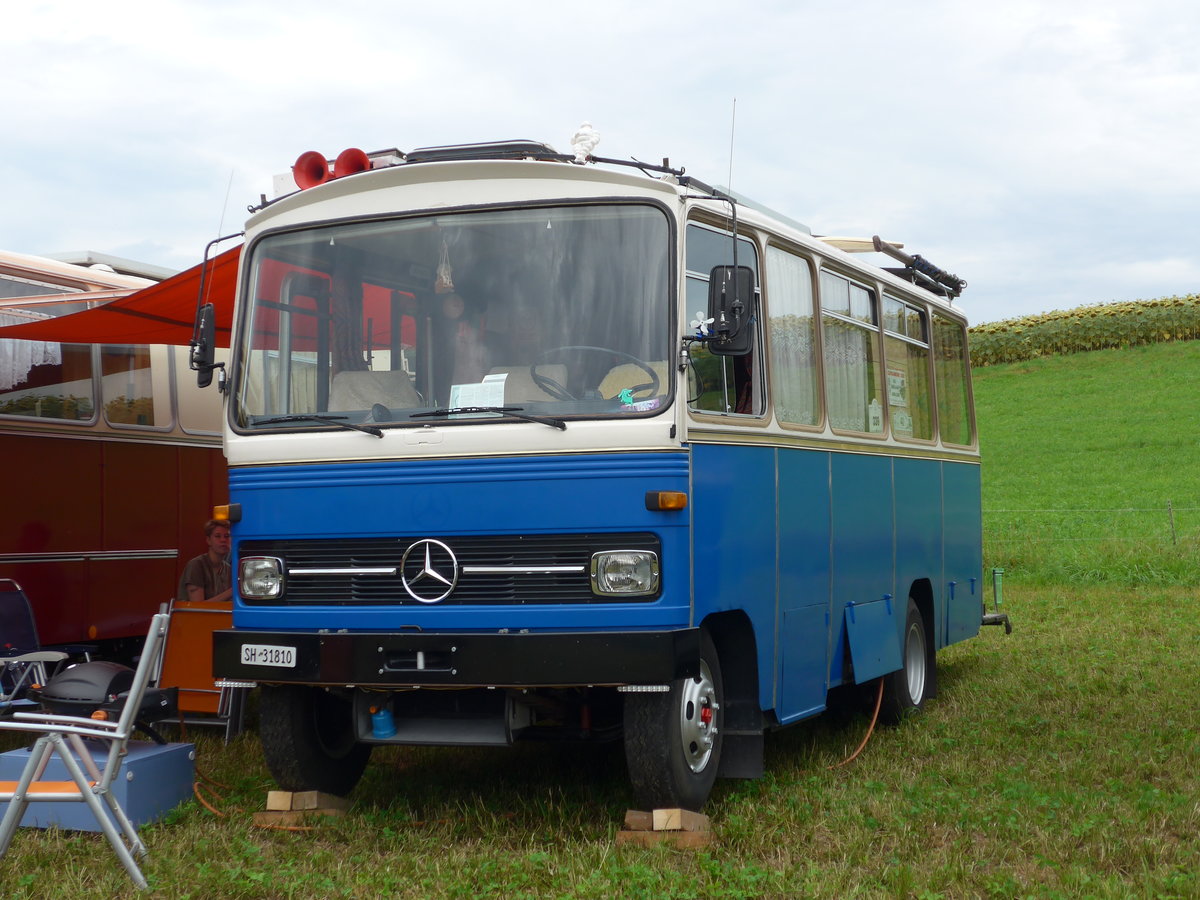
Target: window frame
[[873, 328], [909, 307], [772, 361], [94, 396], [968, 392], [759, 384], [156, 361]]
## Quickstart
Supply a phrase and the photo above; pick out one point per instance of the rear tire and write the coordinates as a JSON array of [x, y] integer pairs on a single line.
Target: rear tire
[[905, 690], [308, 739], [673, 739]]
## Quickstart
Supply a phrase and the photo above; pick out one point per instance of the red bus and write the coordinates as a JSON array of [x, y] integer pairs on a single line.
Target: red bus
[[112, 456]]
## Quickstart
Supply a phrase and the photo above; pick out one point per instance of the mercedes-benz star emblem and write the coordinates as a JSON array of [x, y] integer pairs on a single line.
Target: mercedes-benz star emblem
[[429, 571]]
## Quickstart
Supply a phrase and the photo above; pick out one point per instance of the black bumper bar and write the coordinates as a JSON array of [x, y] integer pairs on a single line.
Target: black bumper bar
[[500, 659]]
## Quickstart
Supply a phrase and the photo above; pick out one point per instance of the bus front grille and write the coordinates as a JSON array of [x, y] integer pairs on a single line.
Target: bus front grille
[[507, 569]]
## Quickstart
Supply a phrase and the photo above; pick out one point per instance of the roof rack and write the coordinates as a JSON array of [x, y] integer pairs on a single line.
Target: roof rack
[[920, 271], [517, 149], [852, 244]]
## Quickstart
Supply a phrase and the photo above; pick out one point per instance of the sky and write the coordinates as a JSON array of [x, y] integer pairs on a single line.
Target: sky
[[1045, 152]]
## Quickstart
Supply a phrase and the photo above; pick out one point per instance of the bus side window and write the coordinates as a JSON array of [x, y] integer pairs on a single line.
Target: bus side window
[[850, 327], [906, 354], [791, 331], [133, 391], [951, 374], [47, 381], [719, 384]]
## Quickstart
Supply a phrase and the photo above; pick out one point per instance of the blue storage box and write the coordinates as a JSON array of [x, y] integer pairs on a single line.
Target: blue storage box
[[153, 780]]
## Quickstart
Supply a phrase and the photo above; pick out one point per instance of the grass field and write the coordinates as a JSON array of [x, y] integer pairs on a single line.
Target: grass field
[[1062, 761], [1082, 456]]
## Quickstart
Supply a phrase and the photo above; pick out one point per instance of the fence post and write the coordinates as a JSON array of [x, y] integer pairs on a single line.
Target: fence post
[[1171, 516]]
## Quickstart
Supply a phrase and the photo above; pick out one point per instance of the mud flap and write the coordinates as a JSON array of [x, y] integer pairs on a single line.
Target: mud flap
[[874, 637]]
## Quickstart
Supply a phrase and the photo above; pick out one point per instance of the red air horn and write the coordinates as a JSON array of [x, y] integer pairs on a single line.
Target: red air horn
[[311, 169], [351, 161]]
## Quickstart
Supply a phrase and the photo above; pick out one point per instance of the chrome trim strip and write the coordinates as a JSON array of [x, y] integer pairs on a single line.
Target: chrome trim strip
[[82, 556], [521, 570], [804, 442], [473, 570], [364, 570]]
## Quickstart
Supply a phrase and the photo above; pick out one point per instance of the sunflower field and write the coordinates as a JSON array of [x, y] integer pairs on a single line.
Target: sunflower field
[[1099, 327]]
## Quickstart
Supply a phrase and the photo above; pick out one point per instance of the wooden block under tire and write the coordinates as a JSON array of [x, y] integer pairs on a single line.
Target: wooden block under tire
[[679, 820], [681, 840]]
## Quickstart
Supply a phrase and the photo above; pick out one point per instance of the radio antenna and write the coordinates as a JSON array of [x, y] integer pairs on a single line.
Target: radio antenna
[[732, 128], [225, 205]]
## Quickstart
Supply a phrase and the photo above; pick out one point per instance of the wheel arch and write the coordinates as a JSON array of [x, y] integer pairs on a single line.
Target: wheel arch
[[733, 637]]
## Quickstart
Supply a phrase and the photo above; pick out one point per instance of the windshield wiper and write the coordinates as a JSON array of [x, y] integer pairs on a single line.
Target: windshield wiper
[[340, 421], [510, 411]]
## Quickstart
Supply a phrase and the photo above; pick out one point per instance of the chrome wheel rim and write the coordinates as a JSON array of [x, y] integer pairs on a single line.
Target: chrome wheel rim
[[914, 663], [698, 709]]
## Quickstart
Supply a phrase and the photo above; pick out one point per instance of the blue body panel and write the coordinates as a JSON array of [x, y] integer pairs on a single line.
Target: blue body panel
[[964, 530], [417, 499], [792, 535], [804, 582], [787, 536]]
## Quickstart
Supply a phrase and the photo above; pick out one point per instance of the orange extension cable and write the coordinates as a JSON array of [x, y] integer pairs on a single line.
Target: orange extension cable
[[870, 729]]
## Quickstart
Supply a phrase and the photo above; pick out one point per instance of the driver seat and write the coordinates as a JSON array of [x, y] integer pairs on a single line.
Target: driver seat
[[352, 389], [629, 375]]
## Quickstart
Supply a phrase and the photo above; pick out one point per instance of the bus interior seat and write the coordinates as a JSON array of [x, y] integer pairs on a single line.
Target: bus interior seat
[[362, 390], [631, 375], [519, 386], [303, 393]]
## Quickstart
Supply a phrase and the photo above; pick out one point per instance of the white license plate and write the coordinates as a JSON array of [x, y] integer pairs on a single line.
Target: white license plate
[[268, 655]]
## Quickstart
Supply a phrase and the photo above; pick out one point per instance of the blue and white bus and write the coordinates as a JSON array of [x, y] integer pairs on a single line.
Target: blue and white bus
[[521, 448]]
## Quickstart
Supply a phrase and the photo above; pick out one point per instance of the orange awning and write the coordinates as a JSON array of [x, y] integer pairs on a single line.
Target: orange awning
[[163, 313]]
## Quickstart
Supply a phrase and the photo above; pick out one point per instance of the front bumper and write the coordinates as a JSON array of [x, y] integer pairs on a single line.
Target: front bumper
[[538, 659]]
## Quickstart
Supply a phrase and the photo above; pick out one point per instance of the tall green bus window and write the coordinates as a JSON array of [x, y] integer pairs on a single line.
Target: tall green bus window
[[906, 357], [792, 336], [955, 424], [719, 384], [850, 328]]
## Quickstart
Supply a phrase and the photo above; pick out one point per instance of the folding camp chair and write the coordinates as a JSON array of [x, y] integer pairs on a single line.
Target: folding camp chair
[[90, 783], [187, 664], [21, 655]]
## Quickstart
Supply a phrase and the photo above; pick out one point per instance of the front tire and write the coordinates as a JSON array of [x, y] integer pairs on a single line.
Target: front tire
[[673, 739], [308, 739], [905, 690]]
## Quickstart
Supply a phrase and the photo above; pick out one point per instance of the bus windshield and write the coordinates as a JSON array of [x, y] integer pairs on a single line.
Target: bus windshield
[[560, 311]]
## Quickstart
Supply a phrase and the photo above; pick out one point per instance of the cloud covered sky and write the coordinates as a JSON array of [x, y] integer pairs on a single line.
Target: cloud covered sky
[[1046, 152]]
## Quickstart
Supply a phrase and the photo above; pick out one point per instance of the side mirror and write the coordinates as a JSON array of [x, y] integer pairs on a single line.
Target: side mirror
[[731, 307], [204, 346]]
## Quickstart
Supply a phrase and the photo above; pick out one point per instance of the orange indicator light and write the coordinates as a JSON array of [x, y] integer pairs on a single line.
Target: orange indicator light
[[666, 500]]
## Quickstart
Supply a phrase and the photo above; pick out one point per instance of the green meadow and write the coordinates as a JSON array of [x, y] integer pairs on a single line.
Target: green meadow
[[1060, 761], [1090, 466]]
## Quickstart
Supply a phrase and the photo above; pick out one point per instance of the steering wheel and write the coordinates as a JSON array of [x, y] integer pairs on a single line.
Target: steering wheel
[[560, 392]]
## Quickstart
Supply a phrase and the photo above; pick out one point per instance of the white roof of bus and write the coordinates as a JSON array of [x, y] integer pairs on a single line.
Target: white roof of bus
[[42, 270]]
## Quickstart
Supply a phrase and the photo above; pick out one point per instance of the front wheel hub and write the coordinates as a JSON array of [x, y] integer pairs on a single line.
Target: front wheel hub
[[698, 718]]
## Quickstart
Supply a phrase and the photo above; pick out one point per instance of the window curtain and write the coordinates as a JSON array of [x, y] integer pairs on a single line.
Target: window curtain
[[849, 377]]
